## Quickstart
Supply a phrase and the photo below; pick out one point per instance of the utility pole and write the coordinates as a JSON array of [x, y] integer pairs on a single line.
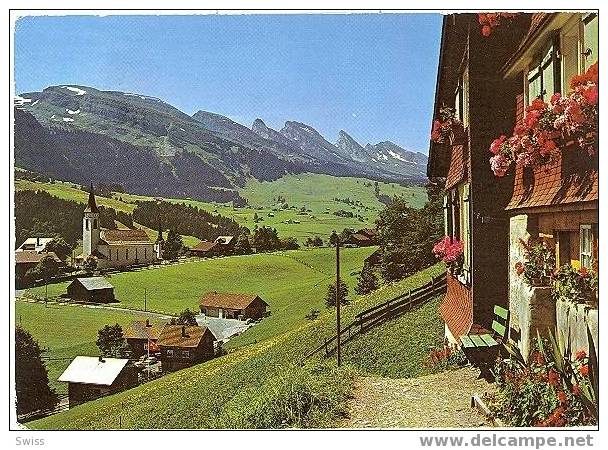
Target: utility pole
[[339, 346]]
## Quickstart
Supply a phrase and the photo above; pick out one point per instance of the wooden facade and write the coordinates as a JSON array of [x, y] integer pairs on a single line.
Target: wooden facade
[[233, 305], [184, 346], [489, 81]]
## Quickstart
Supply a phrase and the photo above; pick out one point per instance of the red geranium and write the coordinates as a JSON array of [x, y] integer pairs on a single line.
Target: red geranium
[[580, 355], [584, 370], [553, 378]]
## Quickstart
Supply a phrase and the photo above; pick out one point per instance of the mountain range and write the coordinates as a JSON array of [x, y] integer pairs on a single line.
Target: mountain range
[[79, 134]]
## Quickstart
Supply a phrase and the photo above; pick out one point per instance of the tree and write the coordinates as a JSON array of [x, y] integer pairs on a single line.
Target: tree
[[368, 281], [266, 239], [173, 245], [31, 376], [290, 243], [46, 269], [314, 242], [60, 247], [90, 263], [407, 235], [242, 246], [111, 341], [186, 317], [330, 297]]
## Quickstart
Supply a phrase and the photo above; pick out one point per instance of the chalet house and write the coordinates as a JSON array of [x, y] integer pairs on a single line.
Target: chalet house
[[233, 306], [28, 259], [113, 248], [36, 244], [371, 233], [225, 244], [90, 378], [555, 202], [205, 249], [142, 336], [468, 82], [492, 81], [184, 346], [358, 240], [91, 289]]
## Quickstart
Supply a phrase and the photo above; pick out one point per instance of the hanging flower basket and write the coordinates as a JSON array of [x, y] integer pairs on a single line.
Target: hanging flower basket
[[548, 128], [491, 21], [448, 129]]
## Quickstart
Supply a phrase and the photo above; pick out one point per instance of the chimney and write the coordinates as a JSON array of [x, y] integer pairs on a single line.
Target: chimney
[[148, 323], [183, 331]]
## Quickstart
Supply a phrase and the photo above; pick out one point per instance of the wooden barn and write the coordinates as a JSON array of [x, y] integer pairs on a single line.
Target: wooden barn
[[205, 249], [90, 378], [91, 289], [233, 306], [184, 346]]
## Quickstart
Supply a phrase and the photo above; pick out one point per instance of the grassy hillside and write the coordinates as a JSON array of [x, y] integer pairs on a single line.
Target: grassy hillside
[[67, 331], [233, 390], [313, 192], [292, 282]]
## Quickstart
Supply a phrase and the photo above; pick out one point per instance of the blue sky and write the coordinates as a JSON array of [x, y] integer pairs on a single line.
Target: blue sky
[[372, 75]]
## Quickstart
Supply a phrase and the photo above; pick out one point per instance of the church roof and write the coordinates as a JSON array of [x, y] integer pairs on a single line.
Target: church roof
[[91, 204], [130, 236]]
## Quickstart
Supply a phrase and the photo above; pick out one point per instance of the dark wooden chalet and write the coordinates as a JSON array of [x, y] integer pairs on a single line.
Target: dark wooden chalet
[[184, 346], [469, 81], [205, 249], [141, 334]]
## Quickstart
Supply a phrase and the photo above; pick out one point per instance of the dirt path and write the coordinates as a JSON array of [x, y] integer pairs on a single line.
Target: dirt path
[[440, 400]]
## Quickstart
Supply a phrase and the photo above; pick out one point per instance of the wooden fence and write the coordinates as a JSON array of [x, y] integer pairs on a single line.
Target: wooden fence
[[378, 314]]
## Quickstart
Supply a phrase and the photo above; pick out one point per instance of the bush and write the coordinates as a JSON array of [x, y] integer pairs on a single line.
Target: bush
[[446, 357], [297, 397], [330, 297]]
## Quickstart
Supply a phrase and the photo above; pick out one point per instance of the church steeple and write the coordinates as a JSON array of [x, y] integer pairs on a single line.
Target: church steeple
[[159, 238], [91, 204]]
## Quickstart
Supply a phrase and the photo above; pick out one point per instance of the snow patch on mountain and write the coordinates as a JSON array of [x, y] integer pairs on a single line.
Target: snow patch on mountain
[[78, 91]]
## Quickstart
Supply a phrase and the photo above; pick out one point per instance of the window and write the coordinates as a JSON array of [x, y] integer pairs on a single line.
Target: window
[[465, 225], [126, 253], [145, 346], [146, 253], [570, 52], [86, 224], [169, 353], [590, 39], [186, 354], [136, 253], [544, 75], [586, 246], [461, 99]]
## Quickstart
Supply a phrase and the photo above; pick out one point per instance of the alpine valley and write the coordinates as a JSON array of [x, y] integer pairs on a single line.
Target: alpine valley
[[79, 134]]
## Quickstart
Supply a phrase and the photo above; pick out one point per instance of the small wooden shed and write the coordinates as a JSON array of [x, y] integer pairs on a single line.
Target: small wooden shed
[[91, 289]]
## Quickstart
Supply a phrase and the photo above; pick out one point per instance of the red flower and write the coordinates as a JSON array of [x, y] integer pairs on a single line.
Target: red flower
[[519, 268], [591, 95], [562, 397], [576, 389], [584, 370], [486, 30], [548, 147], [553, 378], [483, 19], [580, 355], [555, 98], [495, 147], [584, 272], [537, 104]]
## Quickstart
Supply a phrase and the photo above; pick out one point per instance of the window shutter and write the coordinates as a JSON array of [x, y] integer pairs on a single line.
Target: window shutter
[[590, 39]]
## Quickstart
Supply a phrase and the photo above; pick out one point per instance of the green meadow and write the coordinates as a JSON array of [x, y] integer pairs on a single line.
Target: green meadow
[[313, 192], [234, 390], [291, 282]]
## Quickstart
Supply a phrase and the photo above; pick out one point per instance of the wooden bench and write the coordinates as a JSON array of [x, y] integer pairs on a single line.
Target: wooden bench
[[482, 341]]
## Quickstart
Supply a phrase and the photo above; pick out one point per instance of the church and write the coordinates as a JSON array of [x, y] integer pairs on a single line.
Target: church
[[115, 248]]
